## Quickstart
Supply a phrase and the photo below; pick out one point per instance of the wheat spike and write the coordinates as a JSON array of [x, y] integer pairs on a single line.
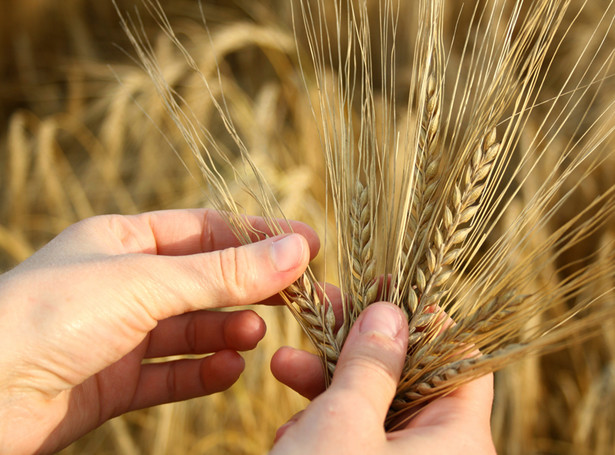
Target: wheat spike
[[418, 190], [447, 244], [365, 284]]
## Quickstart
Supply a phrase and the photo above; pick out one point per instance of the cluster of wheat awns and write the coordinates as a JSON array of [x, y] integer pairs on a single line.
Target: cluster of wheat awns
[[416, 192]]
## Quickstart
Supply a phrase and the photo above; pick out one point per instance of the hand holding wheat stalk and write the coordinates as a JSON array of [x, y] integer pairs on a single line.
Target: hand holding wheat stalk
[[418, 188]]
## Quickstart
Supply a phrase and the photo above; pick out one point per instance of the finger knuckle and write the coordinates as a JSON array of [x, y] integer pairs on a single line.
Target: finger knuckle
[[124, 229], [171, 383], [191, 335], [231, 271]]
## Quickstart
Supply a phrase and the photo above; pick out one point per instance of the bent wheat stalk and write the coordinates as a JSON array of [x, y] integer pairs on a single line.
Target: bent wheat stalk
[[418, 188]]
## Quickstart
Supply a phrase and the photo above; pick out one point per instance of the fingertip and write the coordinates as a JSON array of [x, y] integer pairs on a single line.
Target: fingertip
[[221, 370], [289, 252], [384, 319], [310, 235], [228, 360], [299, 370], [281, 360], [372, 358], [243, 330], [314, 244], [251, 273]]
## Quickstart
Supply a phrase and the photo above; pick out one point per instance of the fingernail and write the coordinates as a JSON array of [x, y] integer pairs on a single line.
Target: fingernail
[[287, 253], [383, 319]]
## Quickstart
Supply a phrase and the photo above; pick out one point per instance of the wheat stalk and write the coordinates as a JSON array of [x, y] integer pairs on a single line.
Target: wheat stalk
[[416, 190]]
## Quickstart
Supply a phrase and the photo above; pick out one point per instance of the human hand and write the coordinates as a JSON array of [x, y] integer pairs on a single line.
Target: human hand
[[348, 418], [78, 318]]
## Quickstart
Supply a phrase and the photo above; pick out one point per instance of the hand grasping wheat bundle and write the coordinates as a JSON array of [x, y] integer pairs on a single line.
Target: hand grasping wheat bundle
[[418, 188]]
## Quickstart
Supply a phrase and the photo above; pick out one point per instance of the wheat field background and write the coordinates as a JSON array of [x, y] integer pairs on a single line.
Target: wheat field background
[[84, 133]]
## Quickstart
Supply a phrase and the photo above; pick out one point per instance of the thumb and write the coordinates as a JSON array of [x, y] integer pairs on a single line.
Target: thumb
[[232, 277], [371, 361]]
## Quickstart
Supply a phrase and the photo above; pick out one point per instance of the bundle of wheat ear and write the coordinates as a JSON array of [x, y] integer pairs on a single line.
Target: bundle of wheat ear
[[418, 182]]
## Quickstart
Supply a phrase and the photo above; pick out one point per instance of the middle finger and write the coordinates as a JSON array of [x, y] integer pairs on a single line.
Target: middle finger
[[203, 332]]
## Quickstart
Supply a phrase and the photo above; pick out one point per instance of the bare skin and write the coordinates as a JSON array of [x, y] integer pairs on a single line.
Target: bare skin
[[79, 317], [348, 418]]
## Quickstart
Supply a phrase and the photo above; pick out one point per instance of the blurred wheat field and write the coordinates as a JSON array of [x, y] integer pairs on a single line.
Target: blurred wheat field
[[75, 142]]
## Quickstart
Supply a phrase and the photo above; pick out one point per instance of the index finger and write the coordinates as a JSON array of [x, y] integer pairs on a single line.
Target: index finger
[[178, 232]]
